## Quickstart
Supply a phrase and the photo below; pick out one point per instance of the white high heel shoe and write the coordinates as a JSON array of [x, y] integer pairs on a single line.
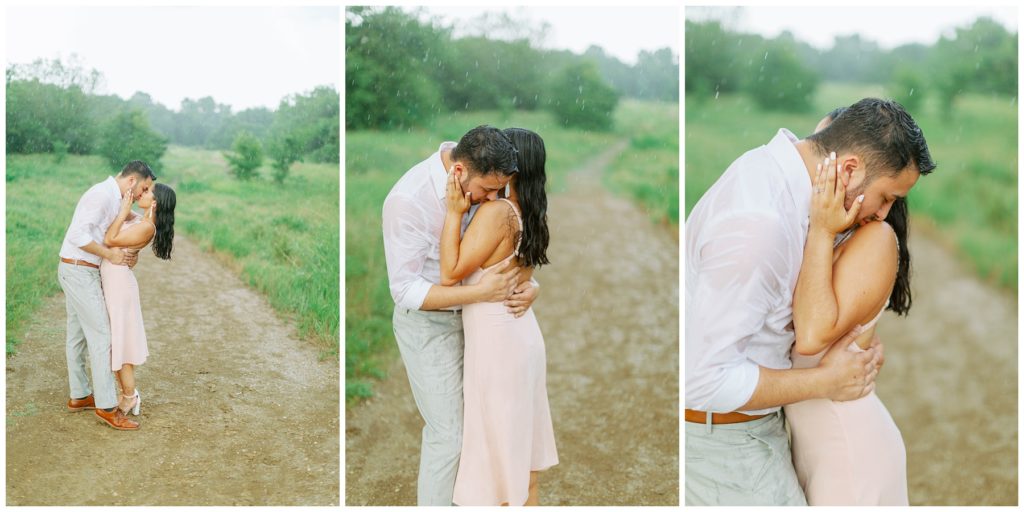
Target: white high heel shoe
[[138, 403]]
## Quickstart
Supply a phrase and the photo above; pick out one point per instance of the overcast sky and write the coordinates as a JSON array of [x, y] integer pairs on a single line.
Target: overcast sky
[[888, 26], [621, 31], [242, 56]]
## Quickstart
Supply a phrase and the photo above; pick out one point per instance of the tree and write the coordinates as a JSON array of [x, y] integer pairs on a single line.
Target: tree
[[782, 82], [127, 136], [579, 97], [908, 89], [312, 120], [392, 67], [712, 59], [247, 156], [284, 152]]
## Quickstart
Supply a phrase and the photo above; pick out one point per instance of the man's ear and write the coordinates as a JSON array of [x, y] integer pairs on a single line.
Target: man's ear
[[850, 170]]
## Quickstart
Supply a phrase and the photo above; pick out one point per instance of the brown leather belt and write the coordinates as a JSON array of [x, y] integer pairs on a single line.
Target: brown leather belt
[[79, 262], [724, 418]]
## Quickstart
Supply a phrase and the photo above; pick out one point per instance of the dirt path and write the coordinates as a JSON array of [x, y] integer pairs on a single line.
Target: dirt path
[[609, 311], [950, 382], [236, 409]]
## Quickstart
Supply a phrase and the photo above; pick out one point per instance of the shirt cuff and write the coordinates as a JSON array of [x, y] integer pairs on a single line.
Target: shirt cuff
[[737, 388], [414, 295]]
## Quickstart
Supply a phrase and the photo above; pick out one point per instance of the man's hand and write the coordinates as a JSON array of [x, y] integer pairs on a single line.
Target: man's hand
[[131, 257], [496, 286], [522, 298], [849, 375], [877, 345], [117, 257]]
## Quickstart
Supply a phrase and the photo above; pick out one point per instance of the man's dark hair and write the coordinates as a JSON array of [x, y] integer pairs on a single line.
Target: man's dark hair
[[486, 150], [882, 132], [138, 168]]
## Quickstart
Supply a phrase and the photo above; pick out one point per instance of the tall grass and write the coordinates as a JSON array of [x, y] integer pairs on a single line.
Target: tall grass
[[282, 239], [648, 170], [374, 162], [970, 199]]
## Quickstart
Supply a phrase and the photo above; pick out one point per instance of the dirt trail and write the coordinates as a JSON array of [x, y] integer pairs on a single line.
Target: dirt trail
[[237, 410], [950, 382], [609, 310]]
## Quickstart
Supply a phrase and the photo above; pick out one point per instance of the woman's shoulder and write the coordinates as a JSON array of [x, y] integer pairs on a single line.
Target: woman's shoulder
[[497, 211], [872, 245]]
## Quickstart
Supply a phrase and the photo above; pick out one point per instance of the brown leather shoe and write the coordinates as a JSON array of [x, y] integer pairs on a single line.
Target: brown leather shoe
[[117, 419], [81, 404]]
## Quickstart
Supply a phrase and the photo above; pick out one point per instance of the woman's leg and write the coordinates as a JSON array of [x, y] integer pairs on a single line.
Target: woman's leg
[[126, 376], [532, 499]]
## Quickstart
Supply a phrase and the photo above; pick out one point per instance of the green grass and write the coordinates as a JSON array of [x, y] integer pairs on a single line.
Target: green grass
[[282, 240], [971, 198], [648, 170], [374, 162]]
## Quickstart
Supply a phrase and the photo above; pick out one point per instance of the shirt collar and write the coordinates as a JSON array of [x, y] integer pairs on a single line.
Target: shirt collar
[[783, 150], [438, 174]]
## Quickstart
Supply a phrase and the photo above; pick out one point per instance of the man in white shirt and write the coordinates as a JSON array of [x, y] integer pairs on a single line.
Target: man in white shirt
[[427, 318], [744, 247], [79, 277]]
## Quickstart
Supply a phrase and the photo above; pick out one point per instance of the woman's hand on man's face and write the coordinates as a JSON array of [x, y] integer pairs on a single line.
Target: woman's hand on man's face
[[458, 200], [828, 199], [126, 201]]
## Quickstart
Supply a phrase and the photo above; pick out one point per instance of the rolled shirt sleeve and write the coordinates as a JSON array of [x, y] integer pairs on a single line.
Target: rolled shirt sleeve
[[407, 244], [739, 279]]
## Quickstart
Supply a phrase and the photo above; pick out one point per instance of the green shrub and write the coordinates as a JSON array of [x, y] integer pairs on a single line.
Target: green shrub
[[127, 136], [247, 156], [580, 98]]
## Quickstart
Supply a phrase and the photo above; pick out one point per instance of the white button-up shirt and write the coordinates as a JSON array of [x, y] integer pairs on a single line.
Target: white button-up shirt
[[744, 247], [413, 217], [96, 210]]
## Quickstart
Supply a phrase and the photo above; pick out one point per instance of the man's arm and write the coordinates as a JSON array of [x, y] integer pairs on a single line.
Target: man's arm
[[841, 375], [114, 256], [406, 247]]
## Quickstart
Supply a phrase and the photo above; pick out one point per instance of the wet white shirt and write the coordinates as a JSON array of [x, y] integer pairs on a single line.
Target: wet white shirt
[[744, 247], [413, 217], [96, 210]]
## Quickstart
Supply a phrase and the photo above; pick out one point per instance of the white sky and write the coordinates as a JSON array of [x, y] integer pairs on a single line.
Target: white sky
[[621, 31], [887, 26], [242, 56]]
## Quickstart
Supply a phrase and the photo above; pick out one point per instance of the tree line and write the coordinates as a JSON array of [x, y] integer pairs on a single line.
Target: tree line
[[402, 71], [54, 107], [783, 72]]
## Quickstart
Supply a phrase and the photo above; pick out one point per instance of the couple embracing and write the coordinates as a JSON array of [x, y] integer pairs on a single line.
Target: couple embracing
[[792, 256], [104, 313], [463, 232]]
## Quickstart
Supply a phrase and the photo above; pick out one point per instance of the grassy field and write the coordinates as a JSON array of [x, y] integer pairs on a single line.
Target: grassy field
[[648, 170], [375, 160], [283, 240], [969, 201]]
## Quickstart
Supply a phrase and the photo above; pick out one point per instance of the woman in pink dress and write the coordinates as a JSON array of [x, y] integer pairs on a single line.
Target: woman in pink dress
[[507, 431], [133, 232], [847, 453]]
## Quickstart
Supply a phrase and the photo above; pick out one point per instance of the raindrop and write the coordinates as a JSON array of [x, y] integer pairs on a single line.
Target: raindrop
[[911, 91], [765, 55]]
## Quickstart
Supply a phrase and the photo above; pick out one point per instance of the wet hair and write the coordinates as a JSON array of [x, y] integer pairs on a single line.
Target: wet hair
[[163, 240], [138, 168], [899, 219], [486, 150], [882, 132], [533, 201]]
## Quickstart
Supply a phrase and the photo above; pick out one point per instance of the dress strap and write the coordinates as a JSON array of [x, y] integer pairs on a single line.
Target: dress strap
[[520, 220]]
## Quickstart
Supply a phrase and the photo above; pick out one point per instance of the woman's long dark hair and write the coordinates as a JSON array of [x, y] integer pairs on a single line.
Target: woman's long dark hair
[[533, 202], [899, 219], [163, 240]]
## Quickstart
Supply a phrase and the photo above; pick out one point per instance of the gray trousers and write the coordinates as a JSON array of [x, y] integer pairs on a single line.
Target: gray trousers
[[432, 344], [741, 464], [88, 329]]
